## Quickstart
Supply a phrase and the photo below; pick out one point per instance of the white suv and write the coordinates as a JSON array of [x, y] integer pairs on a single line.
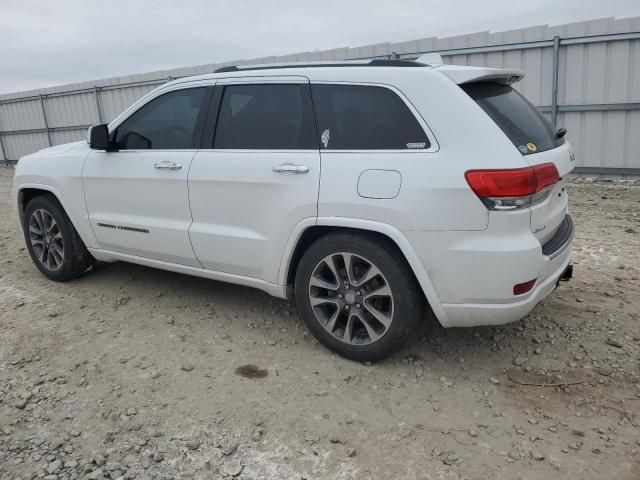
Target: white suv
[[371, 191]]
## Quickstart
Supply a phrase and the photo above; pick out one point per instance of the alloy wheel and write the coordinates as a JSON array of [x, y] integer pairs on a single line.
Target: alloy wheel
[[351, 298], [46, 239]]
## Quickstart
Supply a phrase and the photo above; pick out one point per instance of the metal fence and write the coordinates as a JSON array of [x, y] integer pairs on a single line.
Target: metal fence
[[585, 76]]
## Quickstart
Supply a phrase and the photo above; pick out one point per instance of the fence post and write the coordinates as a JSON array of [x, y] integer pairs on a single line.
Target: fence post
[[44, 118], [98, 104], [4, 152], [554, 85]]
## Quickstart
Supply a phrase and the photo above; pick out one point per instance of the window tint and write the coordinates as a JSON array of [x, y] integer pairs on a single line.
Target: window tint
[[167, 122], [352, 117], [265, 117], [525, 126]]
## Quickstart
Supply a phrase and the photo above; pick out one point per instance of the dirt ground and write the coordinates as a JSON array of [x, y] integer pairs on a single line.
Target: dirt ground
[[131, 372]]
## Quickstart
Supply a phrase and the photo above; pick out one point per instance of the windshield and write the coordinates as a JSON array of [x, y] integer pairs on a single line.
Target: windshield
[[525, 126]]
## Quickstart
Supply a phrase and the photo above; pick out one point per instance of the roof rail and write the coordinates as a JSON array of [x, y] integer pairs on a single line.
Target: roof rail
[[379, 62]]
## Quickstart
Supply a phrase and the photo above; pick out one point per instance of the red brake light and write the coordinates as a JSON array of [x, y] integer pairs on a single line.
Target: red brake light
[[517, 182], [510, 189], [546, 174]]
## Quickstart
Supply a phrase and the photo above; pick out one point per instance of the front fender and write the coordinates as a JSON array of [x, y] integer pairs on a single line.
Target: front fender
[[77, 215]]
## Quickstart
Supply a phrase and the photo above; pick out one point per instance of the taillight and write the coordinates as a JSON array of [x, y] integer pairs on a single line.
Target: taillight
[[511, 189]]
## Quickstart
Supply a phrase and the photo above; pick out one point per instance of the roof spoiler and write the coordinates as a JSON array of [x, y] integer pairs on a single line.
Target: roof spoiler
[[461, 75]]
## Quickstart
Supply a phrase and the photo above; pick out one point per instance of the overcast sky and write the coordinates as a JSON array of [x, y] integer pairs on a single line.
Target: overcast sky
[[52, 42]]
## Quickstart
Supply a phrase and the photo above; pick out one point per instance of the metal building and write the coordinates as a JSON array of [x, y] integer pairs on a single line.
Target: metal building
[[585, 76]]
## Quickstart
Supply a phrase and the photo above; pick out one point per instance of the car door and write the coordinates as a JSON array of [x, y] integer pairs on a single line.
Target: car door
[[259, 177], [137, 196]]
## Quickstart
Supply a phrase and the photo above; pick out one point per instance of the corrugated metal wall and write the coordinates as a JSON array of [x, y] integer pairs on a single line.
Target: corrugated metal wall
[[585, 75]]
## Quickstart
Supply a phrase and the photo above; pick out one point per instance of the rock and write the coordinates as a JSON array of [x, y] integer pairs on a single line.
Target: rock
[[473, 432], [131, 412], [96, 474], [578, 433], [514, 455], [112, 466], [228, 445], [99, 459], [519, 361], [537, 456], [192, 444], [157, 457], [351, 452], [233, 468], [155, 374], [451, 458], [20, 403], [494, 380], [54, 466], [614, 343], [256, 435], [187, 367]]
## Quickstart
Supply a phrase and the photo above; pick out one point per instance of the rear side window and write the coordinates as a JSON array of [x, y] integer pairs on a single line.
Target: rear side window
[[354, 117], [265, 117], [525, 126], [166, 122]]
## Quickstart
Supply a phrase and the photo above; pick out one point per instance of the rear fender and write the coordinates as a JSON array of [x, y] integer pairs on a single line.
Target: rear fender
[[368, 225]]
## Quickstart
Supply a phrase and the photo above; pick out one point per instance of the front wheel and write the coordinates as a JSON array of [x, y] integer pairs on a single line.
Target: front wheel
[[358, 296], [53, 243]]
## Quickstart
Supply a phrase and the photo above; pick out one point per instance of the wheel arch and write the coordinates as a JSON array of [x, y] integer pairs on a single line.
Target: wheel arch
[[26, 192], [306, 234]]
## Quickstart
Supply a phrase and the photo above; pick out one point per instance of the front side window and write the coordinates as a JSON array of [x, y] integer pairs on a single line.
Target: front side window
[[274, 116], [166, 122], [354, 117]]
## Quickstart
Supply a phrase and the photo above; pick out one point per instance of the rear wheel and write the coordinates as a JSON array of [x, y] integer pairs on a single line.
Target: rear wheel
[[357, 296], [52, 241]]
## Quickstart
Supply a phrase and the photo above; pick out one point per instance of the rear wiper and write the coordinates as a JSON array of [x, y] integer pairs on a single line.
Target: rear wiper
[[561, 132]]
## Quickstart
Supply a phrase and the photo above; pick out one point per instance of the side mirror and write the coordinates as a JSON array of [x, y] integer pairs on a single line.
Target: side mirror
[[98, 138]]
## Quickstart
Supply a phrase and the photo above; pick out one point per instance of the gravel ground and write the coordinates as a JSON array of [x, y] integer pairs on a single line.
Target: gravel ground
[[132, 372]]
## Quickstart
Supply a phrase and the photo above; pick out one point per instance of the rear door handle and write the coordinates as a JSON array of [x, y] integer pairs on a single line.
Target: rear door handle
[[166, 165], [290, 167]]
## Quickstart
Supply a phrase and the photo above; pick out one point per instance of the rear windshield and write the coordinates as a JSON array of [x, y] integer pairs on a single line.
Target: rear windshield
[[525, 126]]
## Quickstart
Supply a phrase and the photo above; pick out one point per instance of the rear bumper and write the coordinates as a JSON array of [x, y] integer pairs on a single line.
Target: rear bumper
[[476, 314], [474, 273]]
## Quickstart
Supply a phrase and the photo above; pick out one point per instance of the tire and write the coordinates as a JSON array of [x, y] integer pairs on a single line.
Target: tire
[[59, 254], [372, 315]]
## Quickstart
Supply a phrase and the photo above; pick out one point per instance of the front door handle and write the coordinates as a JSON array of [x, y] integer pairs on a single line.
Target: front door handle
[[166, 165], [290, 167]]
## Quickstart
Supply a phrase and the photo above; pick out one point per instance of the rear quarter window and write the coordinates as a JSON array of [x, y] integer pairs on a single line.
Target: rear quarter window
[[522, 123], [359, 117]]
